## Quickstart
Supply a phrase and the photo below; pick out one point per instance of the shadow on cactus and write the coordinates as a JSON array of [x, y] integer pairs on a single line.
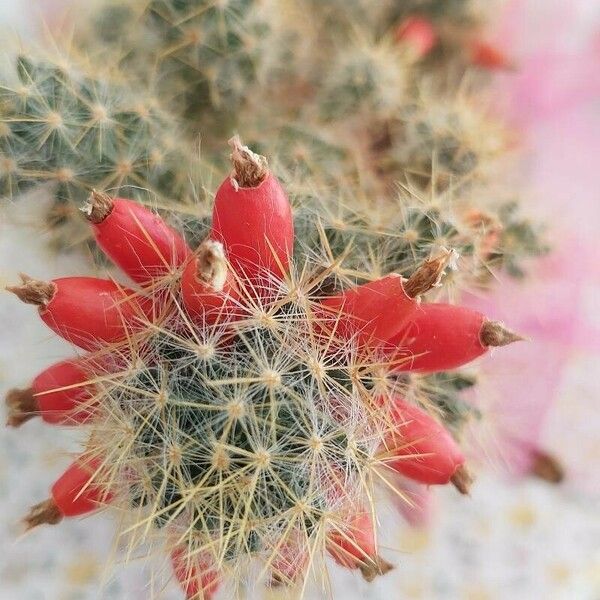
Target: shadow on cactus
[[241, 408]]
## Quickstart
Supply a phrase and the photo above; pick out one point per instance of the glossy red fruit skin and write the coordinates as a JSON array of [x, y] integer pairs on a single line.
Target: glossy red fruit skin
[[204, 304], [418, 33], [255, 226], [369, 313], [436, 337], [90, 312], [426, 452], [73, 493], [355, 544], [64, 406], [197, 578], [140, 242]]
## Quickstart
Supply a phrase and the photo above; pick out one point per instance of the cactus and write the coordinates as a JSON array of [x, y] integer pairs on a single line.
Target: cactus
[[241, 408], [70, 126]]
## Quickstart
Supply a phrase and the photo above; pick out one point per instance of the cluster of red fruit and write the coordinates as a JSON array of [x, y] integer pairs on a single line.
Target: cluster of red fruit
[[247, 254]]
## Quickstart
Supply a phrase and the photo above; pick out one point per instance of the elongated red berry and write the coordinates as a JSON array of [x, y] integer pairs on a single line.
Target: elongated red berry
[[134, 238], [252, 218], [487, 56], [196, 574], [374, 312], [60, 394], [86, 311], [207, 286], [420, 448], [76, 492], [353, 546], [369, 313], [440, 337], [418, 34]]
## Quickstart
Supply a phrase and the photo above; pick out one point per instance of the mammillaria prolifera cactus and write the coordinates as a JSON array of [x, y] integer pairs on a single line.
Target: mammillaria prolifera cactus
[[242, 402]]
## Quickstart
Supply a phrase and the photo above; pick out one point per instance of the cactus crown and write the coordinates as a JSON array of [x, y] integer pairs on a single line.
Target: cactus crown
[[242, 445]]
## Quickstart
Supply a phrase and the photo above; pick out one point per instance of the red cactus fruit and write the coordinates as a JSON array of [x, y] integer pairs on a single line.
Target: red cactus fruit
[[134, 238], [74, 493], [60, 394], [440, 337], [86, 311], [353, 546], [420, 448], [488, 56], [376, 311], [418, 34], [207, 285], [252, 218], [290, 560]]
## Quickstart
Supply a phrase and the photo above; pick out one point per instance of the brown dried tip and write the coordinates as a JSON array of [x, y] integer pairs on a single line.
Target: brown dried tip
[[278, 581], [374, 567], [98, 207], [22, 406], [429, 274], [33, 291], [462, 480], [249, 168], [547, 467], [44, 513], [212, 265], [494, 334]]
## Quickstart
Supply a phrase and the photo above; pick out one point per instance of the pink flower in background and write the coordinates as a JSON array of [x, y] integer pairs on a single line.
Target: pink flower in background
[[555, 100]]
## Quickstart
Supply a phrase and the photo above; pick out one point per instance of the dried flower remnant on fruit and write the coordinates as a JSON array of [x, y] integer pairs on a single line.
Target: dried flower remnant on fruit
[[22, 406], [430, 273], [44, 513], [375, 567], [33, 291], [462, 480], [547, 467], [98, 207], [495, 334], [212, 265], [249, 168]]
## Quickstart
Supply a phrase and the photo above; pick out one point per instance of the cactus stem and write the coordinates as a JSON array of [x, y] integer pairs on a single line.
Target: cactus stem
[[494, 334], [44, 513], [429, 274], [249, 168], [462, 480], [212, 265], [374, 567], [33, 291], [22, 406]]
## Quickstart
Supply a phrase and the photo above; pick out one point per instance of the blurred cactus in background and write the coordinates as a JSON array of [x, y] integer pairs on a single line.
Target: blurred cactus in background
[[373, 115], [328, 89]]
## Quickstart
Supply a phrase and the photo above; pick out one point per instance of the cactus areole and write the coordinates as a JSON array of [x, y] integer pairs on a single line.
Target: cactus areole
[[236, 410]]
